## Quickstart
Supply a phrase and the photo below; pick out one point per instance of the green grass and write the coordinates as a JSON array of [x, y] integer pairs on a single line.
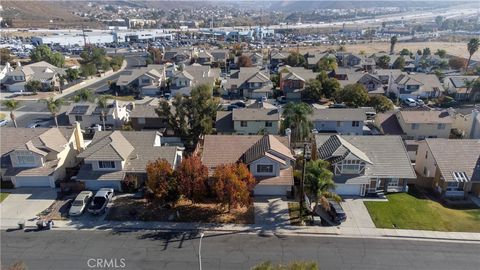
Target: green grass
[[409, 212], [3, 196]]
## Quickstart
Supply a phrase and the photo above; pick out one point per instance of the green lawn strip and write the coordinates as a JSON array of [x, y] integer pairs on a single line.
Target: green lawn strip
[[409, 212], [3, 196]]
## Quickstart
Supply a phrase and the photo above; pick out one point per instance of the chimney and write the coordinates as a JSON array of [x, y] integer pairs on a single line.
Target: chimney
[[77, 132], [288, 133]]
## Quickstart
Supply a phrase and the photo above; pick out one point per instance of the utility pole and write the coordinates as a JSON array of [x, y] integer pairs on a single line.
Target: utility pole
[[84, 37], [200, 251], [306, 158]]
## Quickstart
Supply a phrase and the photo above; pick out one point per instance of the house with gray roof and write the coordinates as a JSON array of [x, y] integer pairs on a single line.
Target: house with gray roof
[[249, 121], [268, 157], [451, 168], [183, 81], [204, 58], [458, 86], [341, 121], [416, 86], [220, 58], [366, 164], [277, 58], [147, 80], [177, 55], [112, 155], [89, 114], [249, 82], [38, 157], [47, 74]]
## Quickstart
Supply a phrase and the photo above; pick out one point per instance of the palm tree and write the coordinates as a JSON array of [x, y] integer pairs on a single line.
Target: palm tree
[[12, 105], [393, 41], [296, 118], [102, 103], [84, 95], [472, 47], [318, 179], [53, 106]]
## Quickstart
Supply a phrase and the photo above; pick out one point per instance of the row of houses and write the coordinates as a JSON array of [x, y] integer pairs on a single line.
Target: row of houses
[[361, 164]]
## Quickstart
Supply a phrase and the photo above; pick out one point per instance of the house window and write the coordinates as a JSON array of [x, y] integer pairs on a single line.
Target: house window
[[146, 81], [393, 182], [141, 120], [24, 160], [106, 164], [243, 123], [441, 126], [355, 123], [264, 168], [351, 166], [339, 123], [78, 118], [268, 124], [415, 126]]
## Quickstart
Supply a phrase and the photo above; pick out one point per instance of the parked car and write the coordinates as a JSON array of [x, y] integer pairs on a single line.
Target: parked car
[[410, 102], [34, 125], [231, 107], [420, 102], [3, 122], [336, 211], [239, 104], [100, 201], [337, 106], [80, 203]]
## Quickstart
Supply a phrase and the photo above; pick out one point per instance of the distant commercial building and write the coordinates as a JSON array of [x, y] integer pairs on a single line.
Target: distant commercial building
[[73, 39]]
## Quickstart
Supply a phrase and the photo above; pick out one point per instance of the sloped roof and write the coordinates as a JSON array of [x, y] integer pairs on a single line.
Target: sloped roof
[[426, 117], [17, 138], [224, 122], [253, 114], [338, 114], [387, 154], [263, 146], [456, 156]]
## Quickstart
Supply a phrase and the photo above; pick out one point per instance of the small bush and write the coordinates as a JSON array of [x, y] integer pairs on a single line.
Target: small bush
[[130, 184]]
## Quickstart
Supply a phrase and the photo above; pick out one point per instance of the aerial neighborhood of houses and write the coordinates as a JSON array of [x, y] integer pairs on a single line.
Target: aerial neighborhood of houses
[[230, 124]]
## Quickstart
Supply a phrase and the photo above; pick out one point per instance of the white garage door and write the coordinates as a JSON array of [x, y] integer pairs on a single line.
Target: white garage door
[[270, 190], [96, 185], [33, 181], [346, 189]]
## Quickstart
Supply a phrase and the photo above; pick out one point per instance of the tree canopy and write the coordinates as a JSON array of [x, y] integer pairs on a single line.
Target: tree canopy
[[354, 95], [296, 118], [318, 179], [381, 103], [383, 61], [295, 59], [244, 61], [44, 53], [192, 178]]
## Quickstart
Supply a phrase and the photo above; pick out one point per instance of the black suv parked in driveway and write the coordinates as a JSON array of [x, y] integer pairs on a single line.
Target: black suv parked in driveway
[[336, 211]]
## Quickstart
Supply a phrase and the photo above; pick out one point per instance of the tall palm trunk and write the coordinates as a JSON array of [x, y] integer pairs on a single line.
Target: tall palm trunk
[[12, 116], [468, 62], [103, 120]]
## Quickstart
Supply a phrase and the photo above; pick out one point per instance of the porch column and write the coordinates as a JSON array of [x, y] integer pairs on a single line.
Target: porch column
[[385, 185], [405, 185]]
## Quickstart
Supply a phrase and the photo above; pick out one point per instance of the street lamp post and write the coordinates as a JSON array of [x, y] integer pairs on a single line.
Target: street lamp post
[[200, 251], [306, 157]]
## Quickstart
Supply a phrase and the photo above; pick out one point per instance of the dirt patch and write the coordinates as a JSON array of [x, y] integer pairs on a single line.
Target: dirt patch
[[58, 210], [131, 209]]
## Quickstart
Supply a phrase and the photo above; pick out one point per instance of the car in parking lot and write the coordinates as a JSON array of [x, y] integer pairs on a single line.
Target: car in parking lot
[[80, 203], [100, 201]]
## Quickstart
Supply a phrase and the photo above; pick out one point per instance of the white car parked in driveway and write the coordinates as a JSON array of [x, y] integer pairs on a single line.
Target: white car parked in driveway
[[100, 201], [80, 203]]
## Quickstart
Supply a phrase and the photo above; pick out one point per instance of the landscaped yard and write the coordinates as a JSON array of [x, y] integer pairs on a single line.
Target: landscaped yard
[[294, 212], [3, 196], [406, 211], [131, 209]]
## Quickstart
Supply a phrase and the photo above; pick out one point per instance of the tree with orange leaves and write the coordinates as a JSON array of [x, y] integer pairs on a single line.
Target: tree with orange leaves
[[192, 177], [159, 176], [233, 184]]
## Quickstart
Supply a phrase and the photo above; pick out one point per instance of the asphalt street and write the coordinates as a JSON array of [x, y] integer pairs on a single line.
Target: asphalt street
[[162, 250]]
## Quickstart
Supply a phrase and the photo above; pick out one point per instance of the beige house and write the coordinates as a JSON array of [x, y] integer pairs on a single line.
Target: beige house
[[268, 158], [418, 125], [147, 80], [38, 157], [450, 167]]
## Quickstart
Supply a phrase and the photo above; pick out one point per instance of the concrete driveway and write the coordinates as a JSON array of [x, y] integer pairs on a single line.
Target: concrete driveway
[[25, 203], [357, 214], [271, 211]]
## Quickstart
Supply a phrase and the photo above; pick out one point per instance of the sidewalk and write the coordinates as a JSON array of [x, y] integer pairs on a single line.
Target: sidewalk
[[266, 230]]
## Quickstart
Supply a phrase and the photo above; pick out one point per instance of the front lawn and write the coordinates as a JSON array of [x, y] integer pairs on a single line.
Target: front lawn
[[132, 209], [3, 196], [409, 212]]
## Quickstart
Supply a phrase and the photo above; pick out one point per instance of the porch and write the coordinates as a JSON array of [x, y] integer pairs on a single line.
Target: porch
[[386, 185]]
